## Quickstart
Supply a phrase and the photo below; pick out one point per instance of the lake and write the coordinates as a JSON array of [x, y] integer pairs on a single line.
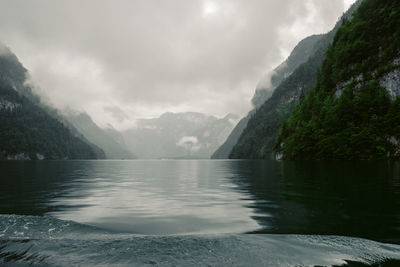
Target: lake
[[199, 212]]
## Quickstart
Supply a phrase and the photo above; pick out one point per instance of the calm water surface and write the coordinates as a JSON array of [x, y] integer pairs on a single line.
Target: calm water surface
[[168, 199]]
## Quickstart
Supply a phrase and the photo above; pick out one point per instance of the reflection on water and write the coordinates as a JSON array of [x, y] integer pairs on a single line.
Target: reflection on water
[[146, 197], [170, 197], [338, 198]]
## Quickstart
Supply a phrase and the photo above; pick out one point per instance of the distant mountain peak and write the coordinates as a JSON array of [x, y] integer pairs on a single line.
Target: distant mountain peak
[[179, 135]]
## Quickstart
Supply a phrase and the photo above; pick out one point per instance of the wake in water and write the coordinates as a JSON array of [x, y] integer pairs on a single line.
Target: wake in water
[[43, 241]]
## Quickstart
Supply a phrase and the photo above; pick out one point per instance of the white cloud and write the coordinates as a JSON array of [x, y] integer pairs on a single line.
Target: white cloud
[[190, 143], [149, 57]]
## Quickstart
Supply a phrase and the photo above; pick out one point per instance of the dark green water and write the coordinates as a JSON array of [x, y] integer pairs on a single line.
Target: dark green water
[[215, 202]]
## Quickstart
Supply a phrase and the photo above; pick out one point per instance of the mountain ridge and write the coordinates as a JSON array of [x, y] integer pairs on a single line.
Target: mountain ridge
[[353, 111], [259, 137], [28, 130], [265, 89]]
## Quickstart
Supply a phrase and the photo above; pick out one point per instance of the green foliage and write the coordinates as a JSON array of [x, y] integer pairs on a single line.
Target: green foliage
[[258, 140], [348, 115], [259, 137]]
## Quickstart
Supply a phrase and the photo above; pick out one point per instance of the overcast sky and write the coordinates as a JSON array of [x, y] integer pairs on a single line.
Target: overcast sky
[[126, 59]]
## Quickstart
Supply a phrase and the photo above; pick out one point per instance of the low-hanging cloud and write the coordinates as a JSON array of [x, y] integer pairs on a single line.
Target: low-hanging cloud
[[122, 60], [189, 143]]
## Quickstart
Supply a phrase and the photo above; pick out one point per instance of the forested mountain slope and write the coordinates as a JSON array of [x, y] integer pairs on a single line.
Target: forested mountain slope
[[266, 87], [353, 112], [259, 137], [27, 130]]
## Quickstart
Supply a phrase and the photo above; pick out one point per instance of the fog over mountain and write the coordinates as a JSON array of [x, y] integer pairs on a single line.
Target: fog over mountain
[[179, 135], [122, 60]]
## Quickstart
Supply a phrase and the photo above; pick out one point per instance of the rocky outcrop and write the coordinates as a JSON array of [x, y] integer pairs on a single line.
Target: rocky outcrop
[[25, 156], [391, 81], [6, 105], [341, 86], [20, 156], [396, 144]]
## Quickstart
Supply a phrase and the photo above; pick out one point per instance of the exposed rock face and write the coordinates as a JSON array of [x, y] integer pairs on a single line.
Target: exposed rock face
[[341, 86], [21, 156], [278, 156], [6, 105], [396, 143], [40, 156], [391, 81], [25, 156]]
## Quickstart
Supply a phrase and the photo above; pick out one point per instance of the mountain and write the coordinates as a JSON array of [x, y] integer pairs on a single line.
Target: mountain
[[353, 112], [300, 54], [266, 87], [27, 130], [259, 137], [225, 149], [178, 135], [108, 139]]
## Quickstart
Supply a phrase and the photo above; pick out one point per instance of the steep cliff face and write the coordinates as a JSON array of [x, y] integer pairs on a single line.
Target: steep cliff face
[[391, 81], [259, 137], [353, 112], [27, 130]]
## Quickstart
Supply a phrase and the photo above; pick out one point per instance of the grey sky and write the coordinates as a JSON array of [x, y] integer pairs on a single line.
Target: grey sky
[[126, 59]]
